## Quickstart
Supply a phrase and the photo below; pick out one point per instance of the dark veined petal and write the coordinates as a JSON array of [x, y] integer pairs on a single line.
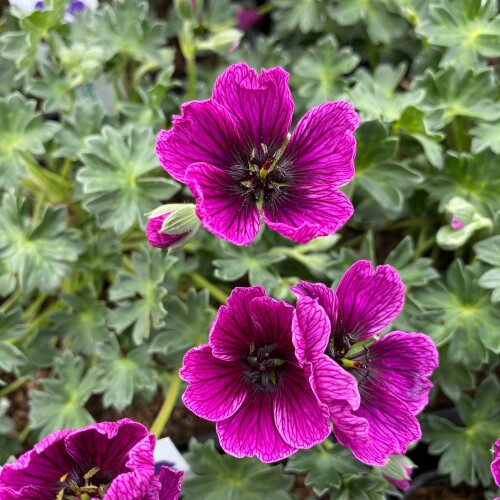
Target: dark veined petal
[[215, 389], [495, 465], [225, 207], [299, 416], [261, 104], [39, 469], [370, 300], [205, 132], [111, 445], [252, 431], [311, 330], [303, 212], [335, 387], [233, 329], [401, 362], [322, 147], [392, 426], [170, 481], [273, 325], [134, 485]]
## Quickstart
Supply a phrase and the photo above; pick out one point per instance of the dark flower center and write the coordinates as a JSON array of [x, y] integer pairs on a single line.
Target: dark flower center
[[90, 484], [262, 370], [339, 345], [262, 173]]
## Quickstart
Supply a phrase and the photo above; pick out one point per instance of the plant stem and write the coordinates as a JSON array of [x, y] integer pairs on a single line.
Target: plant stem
[[32, 311], [214, 291], [8, 303], [191, 73], [12, 387], [167, 407]]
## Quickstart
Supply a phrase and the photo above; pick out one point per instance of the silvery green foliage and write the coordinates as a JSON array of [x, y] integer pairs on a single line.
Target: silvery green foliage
[[105, 316]]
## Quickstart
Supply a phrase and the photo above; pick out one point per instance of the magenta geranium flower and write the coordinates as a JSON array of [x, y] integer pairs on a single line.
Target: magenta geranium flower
[[110, 461], [233, 153], [391, 372], [248, 380], [495, 465]]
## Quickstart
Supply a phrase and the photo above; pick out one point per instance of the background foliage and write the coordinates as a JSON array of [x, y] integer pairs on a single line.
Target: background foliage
[[94, 322]]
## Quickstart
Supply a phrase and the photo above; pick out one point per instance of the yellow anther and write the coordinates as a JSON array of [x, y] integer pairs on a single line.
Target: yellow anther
[[90, 473]]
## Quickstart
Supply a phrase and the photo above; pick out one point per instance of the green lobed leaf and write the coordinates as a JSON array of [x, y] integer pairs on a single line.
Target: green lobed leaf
[[465, 451], [222, 476], [116, 186], [122, 375], [382, 25], [83, 322], [470, 177], [379, 176], [469, 28], [138, 294], [62, 404], [376, 95], [21, 129], [318, 75], [40, 252], [449, 94]]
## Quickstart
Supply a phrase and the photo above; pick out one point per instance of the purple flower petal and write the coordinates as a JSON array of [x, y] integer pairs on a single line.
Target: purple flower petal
[[252, 431], [216, 389], [392, 426], [227, 209], [233, 329], [495, 464], [335, 386], [311, 330], [273, 322], [324, 296], [204, 133], [401, 362], [109, 445], [261, 104], [299, 417], [170, 481], [370, 300], [322, 147], [39, 469], [302, 212]]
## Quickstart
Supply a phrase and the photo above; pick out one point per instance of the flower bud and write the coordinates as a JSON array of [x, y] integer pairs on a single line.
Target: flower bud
[[172, 226], [222, 42], [465, 221], [247, 17], [398, 471]]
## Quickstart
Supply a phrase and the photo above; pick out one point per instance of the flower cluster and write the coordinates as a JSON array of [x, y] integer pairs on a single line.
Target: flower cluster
[[109, 460], [236, 156], [275, 377]]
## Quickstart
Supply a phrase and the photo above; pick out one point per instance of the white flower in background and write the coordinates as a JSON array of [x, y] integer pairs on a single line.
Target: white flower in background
[[26, 7]]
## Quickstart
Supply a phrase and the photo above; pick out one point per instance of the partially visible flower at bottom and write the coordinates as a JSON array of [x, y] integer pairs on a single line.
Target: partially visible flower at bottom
[[495, 465], [172, 226], [248, 380], [109, 461]]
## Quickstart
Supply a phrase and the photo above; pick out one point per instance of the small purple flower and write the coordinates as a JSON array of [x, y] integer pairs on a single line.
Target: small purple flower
[[247, 17], [495, 465], [109, 460], [234, 154], [248, 379], [456, 223], [391, 372]]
